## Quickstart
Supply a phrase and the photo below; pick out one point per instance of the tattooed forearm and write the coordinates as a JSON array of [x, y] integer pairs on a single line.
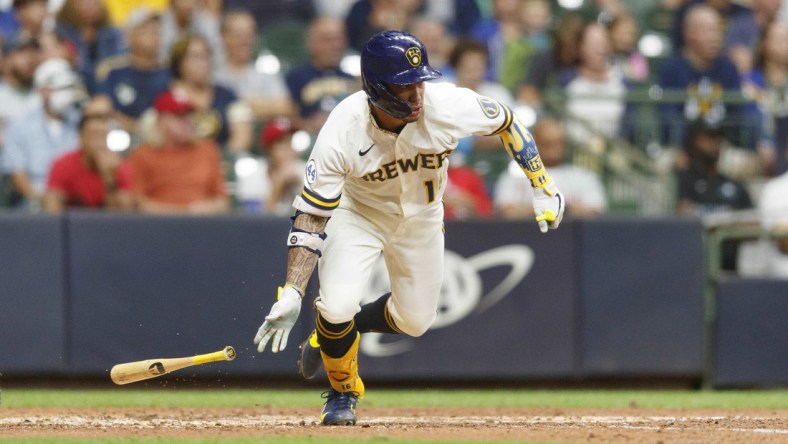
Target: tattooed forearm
[[300, 261]]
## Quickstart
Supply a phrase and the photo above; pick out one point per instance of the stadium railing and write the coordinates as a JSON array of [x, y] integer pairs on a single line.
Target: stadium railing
[[740, 226], [637, 166]]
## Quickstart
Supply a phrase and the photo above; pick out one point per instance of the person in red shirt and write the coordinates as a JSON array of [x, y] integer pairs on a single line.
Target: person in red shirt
[[90, 176], [176, 173], [466, 195]]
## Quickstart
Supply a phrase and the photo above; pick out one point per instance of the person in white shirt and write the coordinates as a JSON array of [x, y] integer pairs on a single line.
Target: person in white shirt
[[595, 97], [773, 206], [582, 188], [21, 56], [265, 92]]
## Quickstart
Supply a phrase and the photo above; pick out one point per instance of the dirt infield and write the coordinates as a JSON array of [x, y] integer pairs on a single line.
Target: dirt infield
[[508, 424]]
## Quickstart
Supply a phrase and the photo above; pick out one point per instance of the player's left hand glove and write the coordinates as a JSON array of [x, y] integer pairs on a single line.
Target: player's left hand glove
[[280, 320], [548, 206]]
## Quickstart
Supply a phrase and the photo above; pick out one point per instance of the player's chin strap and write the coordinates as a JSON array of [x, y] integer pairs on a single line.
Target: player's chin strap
[[306, 239]]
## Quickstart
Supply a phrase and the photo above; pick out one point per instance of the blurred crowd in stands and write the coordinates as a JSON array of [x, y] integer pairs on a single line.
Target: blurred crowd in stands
[[211, 106]]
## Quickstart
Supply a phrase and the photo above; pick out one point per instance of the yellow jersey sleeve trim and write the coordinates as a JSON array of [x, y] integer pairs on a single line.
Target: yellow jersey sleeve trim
[[318, 201], [507, 120]]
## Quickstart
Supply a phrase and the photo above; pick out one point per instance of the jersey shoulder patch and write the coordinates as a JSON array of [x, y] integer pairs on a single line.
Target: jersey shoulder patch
[[490, 107]]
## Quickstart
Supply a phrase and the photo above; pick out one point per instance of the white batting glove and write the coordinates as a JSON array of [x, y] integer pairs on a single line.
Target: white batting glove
[[280, 320], [549, 206]]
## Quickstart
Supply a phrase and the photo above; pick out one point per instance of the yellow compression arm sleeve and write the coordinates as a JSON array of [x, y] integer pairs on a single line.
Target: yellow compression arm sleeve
[[520, 146]]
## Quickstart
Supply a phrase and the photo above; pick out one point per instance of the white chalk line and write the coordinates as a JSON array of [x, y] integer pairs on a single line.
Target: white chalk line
[[613, 422]]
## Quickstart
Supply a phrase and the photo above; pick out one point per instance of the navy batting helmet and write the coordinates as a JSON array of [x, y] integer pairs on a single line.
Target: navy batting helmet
[[393, 57]]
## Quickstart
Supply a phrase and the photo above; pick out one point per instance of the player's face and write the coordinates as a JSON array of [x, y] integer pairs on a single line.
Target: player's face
[[413, 94]]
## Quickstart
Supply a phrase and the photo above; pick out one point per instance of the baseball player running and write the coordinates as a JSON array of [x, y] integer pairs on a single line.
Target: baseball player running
[[373, 185]]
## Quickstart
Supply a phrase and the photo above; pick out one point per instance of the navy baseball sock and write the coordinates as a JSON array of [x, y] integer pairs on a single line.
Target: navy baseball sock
[[375, 317], [335, 339]]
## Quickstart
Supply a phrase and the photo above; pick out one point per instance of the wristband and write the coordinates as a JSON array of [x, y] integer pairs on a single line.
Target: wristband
[[296, 288]]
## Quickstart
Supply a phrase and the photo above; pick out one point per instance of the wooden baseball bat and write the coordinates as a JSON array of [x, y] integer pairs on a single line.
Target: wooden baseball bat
[[150, 368]]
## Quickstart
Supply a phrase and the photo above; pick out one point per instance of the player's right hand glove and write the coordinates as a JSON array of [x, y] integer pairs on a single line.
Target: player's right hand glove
[[548, 206], [280, 320]]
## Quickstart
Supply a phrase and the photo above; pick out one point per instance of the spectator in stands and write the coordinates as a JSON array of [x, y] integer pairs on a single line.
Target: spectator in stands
[[368, 17], [773, 207], [270, 13], [437, 41], [582, 188], [466, 195], [534, 18], [34, 140], [743, 32], [85, 24], [266, 93], [494, 32], [726, 9], [21, 56], [468, 60], [177, 174], [119, 12], [285, 169], [316, 88], [703, 73], [767, 83], [135, 79], [189, 17], [628, 62], [602, 11], [552, 67], [661, 18], [54, 45], [459, 16], [90, 176], [268, 184], [702, 189], [31, 15], [595, 97], [218, 112], [333, 8]]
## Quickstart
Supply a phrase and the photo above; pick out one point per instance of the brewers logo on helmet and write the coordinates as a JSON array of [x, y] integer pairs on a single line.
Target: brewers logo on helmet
[[414, 56], [395, 58]]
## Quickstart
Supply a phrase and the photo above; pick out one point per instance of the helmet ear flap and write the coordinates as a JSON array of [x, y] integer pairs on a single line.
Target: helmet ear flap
[[387, 102]]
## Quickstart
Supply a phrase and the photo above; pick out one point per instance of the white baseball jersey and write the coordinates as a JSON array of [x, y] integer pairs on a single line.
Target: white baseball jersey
[[383, 193], [353, 159]]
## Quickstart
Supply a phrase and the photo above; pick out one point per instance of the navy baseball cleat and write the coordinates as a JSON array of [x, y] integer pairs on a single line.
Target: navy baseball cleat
[[340, 408], [310, 360]]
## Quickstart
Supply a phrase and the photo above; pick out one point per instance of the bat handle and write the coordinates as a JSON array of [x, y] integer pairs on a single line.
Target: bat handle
[[226, 354]]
